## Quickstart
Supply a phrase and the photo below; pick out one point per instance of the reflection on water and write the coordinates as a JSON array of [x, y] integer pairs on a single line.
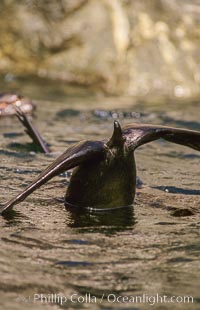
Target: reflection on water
[[115, 220], [14, 218], [152, 248]]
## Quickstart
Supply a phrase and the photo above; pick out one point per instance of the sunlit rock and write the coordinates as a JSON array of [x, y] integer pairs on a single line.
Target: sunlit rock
[[118, 46]]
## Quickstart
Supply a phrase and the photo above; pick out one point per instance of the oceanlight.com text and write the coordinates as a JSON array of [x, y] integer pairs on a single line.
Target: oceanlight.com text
[[111, 298]]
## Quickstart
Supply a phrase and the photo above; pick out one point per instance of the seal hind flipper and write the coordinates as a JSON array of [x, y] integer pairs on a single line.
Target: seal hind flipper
[[72, 157], [137, 135], [32, 131]]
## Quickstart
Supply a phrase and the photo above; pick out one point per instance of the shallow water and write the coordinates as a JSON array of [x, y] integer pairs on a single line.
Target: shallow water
[[148, 250]]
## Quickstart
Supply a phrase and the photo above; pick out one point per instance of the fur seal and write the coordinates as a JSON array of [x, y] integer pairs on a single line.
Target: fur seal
[[8, 102], [104, 174]]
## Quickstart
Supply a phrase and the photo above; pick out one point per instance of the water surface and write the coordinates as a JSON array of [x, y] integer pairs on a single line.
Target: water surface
[[150, 249]]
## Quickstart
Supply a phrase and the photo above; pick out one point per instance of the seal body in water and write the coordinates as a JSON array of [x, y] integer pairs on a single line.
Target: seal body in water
[[107, 181], [8, 102], [105, 171]]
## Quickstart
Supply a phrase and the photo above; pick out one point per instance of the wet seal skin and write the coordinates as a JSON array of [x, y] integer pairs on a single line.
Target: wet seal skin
[[8, 102], [104, 174]]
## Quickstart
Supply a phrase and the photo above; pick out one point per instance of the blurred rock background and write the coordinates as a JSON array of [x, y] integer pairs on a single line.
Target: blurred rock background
[[126, 47]]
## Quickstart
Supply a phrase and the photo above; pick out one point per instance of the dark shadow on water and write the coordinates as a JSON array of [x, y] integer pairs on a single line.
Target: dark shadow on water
[[68, 113], [12, 135], [13, 154], [182, 123], [25, 147], [191, 156], [175, 154], [14, 218], [178, 190], [68, 263]]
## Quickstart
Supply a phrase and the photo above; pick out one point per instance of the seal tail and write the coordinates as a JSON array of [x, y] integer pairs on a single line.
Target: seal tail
[[117, 138]]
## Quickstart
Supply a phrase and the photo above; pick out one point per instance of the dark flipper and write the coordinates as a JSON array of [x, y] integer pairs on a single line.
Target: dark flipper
[[73, 156], [137, 135], [31, 131]]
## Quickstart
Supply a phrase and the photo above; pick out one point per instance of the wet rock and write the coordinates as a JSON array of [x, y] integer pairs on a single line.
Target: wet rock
[[68, 113], [125, 47], [107, 114], [182, 212], [139, 183]]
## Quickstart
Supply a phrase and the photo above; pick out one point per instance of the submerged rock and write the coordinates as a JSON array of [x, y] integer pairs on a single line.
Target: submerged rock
[[182, 212]]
